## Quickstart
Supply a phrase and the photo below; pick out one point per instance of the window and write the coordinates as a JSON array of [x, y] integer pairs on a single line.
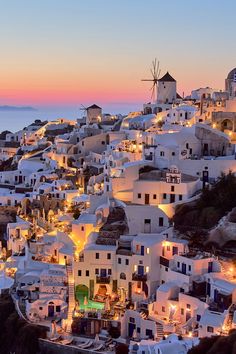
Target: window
[[148, 250], [58, 308], [79, 273], [198, 318], [149, 333], [132, 320], [182, 311], [154, 196], [40, 308], [168, 248], [164, 195], [166, 269], [109, 271], [172, 188], [162, 153], [126, 262], [173, 153], [188, 306], [97, 256], [161, 221], [138, 329], [187, 145], [82, 228], [210, 329], [108, 256], [180, 197], [123, 276], [119, 260], [139, 195], [96, 271], [87, 273], [163, 309], [147, 221], [189, 268], [147, 269]]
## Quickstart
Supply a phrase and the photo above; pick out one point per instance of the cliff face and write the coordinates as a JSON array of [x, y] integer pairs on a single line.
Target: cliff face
[[225, 231], [16, 335]]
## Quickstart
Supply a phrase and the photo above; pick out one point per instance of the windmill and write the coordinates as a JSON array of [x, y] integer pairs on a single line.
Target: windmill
[[155, 71]]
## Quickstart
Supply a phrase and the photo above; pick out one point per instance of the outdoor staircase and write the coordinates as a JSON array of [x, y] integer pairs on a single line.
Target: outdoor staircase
[[71, 292], [160, 332]]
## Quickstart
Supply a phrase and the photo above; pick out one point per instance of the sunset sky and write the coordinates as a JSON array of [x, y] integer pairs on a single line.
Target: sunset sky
[[67, 52]]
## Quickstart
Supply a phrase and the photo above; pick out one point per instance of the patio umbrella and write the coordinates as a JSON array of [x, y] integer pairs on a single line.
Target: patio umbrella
[[107, 304], [85, 301]]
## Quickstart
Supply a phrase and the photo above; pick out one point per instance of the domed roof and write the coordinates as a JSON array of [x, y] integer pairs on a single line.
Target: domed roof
[[231, 74]]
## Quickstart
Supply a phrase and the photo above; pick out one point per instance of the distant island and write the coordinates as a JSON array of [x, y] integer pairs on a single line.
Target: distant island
[[15, 108]]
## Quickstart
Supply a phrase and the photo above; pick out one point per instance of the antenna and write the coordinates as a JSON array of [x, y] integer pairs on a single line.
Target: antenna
[[155, 71]]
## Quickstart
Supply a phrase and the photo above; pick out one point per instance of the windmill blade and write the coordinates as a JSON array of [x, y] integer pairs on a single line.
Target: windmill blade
[[153, 73], [147, 80], [83, 108]]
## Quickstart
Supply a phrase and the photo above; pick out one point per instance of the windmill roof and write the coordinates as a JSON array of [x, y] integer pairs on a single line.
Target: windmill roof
[[93, 106], [167, 77]]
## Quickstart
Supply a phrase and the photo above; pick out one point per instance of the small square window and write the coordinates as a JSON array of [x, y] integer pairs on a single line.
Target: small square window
[[188, 306], [79, 273], [108, 256], [126, 262], [119, 260], [97, 255], [87, 273], [139, 195], [154, 196], [172, 188], [96, 271]]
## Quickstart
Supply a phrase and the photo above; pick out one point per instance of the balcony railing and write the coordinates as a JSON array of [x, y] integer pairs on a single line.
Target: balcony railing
[[139, 277], [103, 279]]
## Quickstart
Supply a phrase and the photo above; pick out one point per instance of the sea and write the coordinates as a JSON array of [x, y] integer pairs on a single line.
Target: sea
[[18, 119]]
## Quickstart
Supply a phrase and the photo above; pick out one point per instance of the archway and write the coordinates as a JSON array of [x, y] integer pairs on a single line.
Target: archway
[[226, 124]]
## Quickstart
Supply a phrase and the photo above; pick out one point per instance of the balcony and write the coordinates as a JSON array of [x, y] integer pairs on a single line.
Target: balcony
[[103, 279], [139, 277]]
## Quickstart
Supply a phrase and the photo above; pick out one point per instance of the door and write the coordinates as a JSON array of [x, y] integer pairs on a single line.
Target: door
[[140, 270], [188, 315], [147, 226], [132, 327], [215, 295], [142, 250], [50, 310], [103, 272], [172, 198], [174, 250], [205, 149], [146, 198], [183, 268], [210, 267]]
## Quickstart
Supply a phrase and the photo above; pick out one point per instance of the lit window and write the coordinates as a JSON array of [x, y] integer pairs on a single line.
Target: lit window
[[135, 267], [147, 269], [148, 250]]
